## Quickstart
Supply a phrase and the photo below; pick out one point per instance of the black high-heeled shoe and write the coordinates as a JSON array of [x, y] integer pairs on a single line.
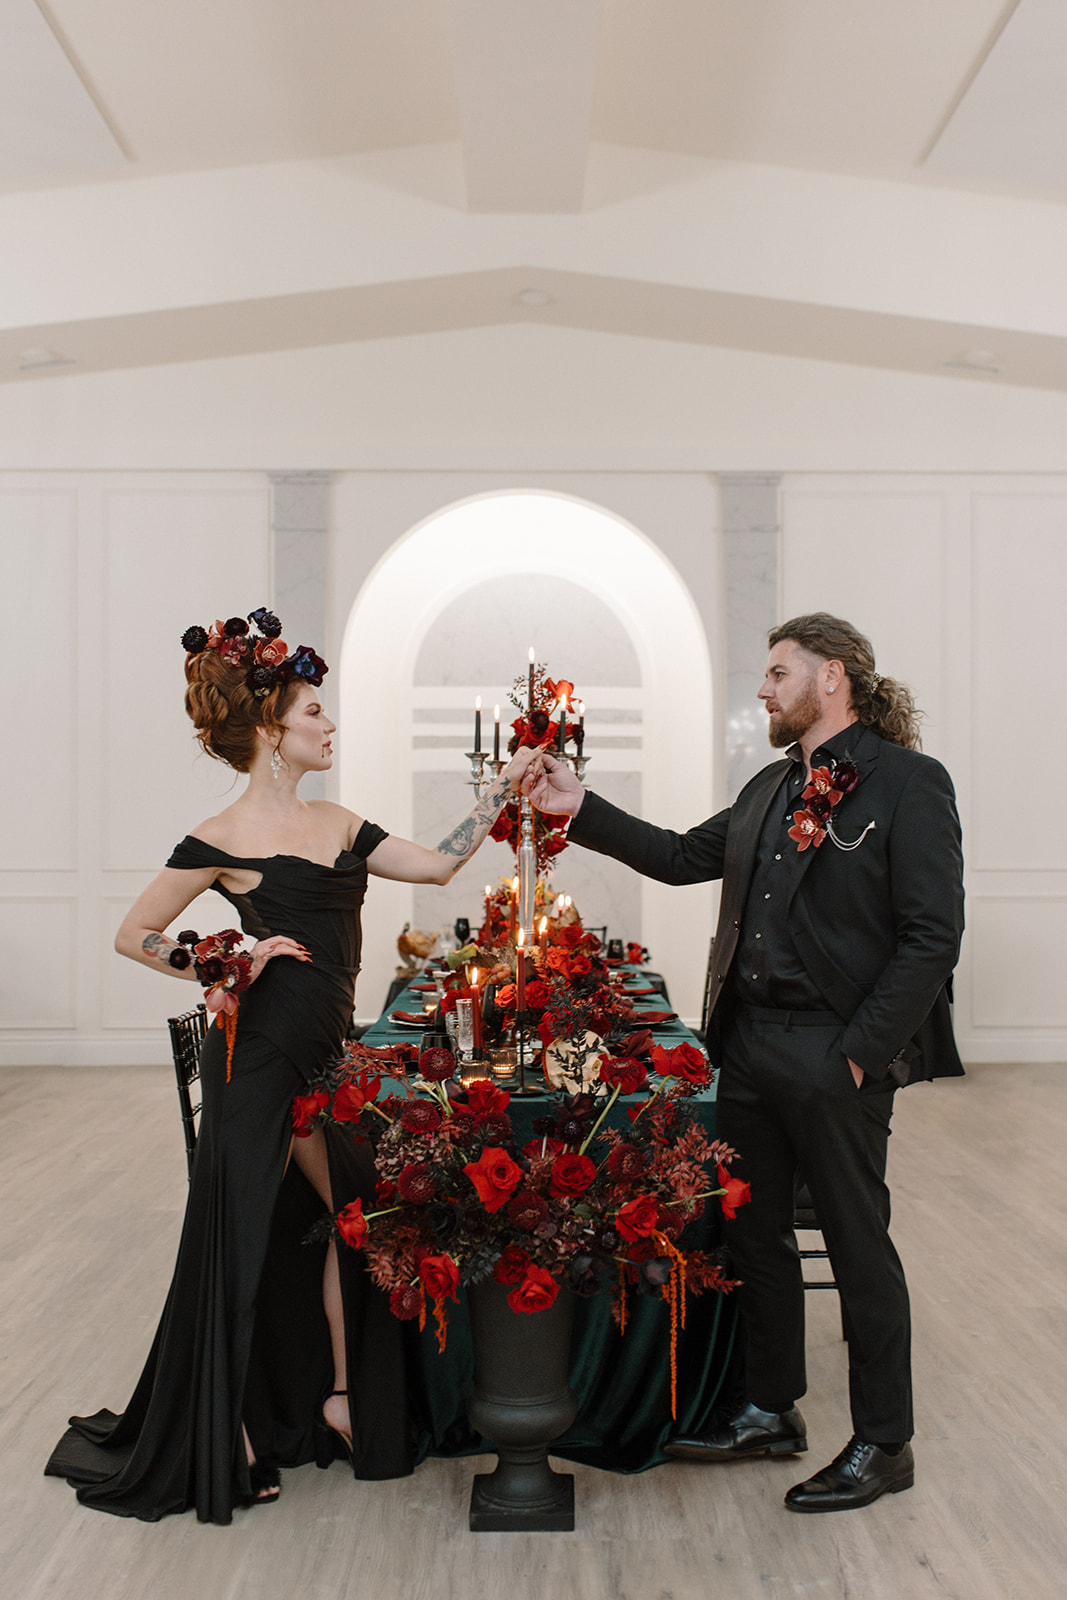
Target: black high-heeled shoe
[[326, 1435], [263, 1475]]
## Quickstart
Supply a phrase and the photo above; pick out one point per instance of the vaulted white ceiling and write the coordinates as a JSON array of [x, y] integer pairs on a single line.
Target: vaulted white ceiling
[[871, 182]]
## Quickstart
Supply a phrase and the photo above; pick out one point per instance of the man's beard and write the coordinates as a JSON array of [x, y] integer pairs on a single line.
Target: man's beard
[[789, 726]]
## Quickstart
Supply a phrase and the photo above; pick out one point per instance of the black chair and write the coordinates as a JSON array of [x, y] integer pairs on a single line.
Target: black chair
[[705, 1009], [187, 1034], [805, 1220]]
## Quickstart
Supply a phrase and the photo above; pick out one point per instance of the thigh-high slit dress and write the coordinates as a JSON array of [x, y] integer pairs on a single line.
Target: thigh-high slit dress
[[243, 1336]]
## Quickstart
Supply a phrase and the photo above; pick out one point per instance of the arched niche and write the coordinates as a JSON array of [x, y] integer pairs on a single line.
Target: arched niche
[[534, 553]]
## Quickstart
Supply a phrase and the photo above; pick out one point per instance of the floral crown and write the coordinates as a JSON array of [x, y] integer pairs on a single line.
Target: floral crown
[[264, 654]]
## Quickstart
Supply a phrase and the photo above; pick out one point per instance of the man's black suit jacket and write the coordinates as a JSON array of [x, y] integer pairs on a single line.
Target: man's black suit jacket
[[878, 928]]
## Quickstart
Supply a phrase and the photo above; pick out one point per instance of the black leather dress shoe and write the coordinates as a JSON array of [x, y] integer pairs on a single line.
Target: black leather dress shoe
[[751, 1432], [860, 1474]]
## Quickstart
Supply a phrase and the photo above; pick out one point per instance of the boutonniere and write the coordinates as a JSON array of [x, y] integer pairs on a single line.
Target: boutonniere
[[824, 793]]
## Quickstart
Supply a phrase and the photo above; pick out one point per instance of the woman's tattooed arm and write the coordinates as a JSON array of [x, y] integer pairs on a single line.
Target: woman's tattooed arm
[[464, 839]]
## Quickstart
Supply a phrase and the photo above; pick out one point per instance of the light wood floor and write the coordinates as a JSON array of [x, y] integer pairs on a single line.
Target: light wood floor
[[93, 1183]]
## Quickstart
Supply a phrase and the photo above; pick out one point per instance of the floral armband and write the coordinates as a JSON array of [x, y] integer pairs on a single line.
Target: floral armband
[[224, 971]]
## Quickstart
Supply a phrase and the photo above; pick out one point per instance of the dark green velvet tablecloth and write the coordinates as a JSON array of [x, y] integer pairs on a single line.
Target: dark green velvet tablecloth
[[622, 1381]]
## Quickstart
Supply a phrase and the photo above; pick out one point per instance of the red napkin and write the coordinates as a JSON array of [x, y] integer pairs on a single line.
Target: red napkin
[[421, 1017], [652, 1019]]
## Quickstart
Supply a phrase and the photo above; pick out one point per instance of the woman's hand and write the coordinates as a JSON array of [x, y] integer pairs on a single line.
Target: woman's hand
[[552, 786], [277, 945], [521, 762]]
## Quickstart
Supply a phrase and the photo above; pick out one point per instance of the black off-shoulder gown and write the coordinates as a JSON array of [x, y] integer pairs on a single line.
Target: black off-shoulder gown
[[243, 1336]]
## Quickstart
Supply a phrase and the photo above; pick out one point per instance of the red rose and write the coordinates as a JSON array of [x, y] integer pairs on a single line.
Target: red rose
[[684, 1062], [580, 965], [511, 1268], [484, 1098], [637, 1218], [350, 1098], [506, 996], [495, 1176], [307, 1108], [548, 1028], [352, 1224], [440, 1277], [536, 1292], [735, 1192], [572, 1174], [537, 994]]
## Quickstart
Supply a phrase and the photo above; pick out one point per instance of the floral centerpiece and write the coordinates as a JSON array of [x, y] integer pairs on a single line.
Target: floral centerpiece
[[582, 1204], [536, 697]]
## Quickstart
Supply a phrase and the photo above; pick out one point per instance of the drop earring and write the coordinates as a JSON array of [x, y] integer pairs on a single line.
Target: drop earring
[[276, 764]]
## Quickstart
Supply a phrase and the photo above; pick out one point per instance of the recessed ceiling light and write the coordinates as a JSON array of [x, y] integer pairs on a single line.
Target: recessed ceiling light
[[973, 361], [37, 356], [533, 297]]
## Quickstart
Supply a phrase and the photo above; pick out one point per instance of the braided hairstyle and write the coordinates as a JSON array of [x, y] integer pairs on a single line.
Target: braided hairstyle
[[226, 713], [881, 704]]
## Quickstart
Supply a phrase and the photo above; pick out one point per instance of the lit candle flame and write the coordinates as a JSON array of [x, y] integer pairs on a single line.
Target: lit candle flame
[[520, 939]]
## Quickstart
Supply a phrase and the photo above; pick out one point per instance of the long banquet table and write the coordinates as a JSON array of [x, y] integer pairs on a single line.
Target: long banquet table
[[622, 1381]]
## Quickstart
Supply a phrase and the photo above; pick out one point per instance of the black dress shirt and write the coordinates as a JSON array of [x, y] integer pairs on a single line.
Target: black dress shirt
[[767, 970]]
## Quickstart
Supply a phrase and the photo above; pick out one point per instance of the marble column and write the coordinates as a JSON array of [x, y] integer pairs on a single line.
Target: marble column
[[299, 540], [750, 526]]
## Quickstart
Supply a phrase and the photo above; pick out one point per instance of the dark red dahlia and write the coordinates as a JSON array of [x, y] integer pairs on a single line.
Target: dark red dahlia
[[625, 1163], [417, 1183], [419, 1116], [406, 1301], [527, 1210]]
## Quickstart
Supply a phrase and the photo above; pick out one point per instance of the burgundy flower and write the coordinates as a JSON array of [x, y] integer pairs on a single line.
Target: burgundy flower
[[235, 627], [820, 807], [194, 640], [625, 1162], [266, 622], [494, 1128], [419, 1116], [179, 959], [527, 1210], [846, 776], [406, 1301], [437, 1064], [417, 1183]]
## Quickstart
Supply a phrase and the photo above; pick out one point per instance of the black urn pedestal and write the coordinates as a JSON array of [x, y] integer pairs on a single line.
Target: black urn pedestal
[[520, 1403]]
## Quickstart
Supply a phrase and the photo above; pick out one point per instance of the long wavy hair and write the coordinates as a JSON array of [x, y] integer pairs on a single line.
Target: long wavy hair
[[881, 704]]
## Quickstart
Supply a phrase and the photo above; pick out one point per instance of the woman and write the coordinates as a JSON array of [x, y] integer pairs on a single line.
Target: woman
[[235, 1380]]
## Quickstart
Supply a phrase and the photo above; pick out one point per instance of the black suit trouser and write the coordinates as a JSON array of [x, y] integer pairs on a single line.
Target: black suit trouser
[[787, 1100]]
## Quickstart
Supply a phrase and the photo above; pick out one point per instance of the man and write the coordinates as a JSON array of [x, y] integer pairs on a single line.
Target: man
[[839, 928]]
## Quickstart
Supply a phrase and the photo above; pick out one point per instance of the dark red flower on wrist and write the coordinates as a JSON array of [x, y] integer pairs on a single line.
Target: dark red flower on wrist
[[307, 1108]]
